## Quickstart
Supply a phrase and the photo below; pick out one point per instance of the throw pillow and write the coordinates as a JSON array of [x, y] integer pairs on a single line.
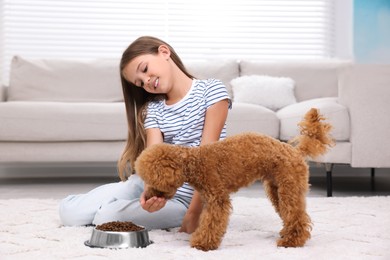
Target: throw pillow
[[271, 92]]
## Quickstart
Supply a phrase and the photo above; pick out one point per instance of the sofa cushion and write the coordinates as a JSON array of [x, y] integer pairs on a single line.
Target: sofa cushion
[[60, 121], [245, 117], [336, 114], [271, 92], [312, 79], [96, 152], [224, 70], [64, 81]]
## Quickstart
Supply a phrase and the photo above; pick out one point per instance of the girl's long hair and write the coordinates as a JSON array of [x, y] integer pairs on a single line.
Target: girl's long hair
[[136, 100]]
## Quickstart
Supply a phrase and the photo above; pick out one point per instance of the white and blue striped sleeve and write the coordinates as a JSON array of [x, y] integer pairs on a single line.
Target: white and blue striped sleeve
[[151, 120], [216, 91]]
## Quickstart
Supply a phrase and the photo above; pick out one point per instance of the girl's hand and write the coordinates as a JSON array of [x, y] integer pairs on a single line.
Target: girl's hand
[[153, 204]]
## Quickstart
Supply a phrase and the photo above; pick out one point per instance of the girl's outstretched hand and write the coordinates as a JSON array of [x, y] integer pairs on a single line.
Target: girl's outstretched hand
[[153, 204]]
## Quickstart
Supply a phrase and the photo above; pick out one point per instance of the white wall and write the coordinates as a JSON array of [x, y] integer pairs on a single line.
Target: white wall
[[343, 29]]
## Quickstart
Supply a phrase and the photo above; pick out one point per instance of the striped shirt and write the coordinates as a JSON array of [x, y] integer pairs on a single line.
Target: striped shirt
[[182, 123]]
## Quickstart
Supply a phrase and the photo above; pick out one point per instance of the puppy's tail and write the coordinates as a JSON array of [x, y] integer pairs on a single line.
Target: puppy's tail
[[314, 139]]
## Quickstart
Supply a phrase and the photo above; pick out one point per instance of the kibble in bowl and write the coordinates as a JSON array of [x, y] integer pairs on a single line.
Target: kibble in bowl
[[118, 235]]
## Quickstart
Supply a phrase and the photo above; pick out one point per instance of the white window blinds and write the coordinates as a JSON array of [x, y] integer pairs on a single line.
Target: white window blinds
[[89, 29]]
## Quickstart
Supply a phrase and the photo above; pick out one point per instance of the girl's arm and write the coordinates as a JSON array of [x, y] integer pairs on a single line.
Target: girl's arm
[[214, 122], [153, 136]]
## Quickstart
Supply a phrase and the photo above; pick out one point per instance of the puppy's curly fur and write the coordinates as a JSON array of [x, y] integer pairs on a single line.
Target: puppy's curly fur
[[218, 169]]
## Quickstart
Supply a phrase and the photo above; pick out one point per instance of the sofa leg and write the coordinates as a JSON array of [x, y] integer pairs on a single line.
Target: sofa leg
[[329, 168], [372, 179]]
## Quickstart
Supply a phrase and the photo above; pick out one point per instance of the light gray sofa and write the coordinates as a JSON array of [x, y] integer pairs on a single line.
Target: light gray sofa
[[59, 111]]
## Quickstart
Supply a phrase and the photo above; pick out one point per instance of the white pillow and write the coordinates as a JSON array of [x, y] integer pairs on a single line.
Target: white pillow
[[271, 92]]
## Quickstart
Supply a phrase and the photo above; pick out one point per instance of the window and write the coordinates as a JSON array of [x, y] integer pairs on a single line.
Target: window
[[89, 29]]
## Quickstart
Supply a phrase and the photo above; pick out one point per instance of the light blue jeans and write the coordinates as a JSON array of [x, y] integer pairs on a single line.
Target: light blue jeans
[[120, 202]]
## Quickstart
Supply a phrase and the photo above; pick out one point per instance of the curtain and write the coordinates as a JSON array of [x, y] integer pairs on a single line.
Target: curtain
[[198, 30]]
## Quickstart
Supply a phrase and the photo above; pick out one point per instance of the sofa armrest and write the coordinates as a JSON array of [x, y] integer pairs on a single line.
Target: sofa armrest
[[365, 90], [3, 93]]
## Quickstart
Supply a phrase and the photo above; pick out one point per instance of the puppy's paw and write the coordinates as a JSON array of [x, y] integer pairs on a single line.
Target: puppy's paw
[[289, 240], [204, 241], [202, 245]]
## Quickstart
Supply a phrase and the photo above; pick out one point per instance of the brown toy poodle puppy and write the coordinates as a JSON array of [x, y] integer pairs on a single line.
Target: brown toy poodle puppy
[[218, 169]]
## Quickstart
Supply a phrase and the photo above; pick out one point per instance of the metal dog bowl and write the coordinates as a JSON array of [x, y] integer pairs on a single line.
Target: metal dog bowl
[[113, 239]]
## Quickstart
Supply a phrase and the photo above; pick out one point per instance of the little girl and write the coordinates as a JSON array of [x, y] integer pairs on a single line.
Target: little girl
[[164, 103]]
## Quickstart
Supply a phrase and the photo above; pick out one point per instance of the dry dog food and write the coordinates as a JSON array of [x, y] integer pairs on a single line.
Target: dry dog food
[[118, 226]]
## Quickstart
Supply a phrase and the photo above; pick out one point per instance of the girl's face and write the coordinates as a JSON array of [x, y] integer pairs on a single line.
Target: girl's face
[[151, 71]]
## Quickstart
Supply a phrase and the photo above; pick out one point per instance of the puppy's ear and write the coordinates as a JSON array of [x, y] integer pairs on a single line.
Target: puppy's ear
[[171, 175], [161, 166]]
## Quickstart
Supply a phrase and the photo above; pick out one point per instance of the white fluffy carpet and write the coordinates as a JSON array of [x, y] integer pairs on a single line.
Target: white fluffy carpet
[[344, 228]]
